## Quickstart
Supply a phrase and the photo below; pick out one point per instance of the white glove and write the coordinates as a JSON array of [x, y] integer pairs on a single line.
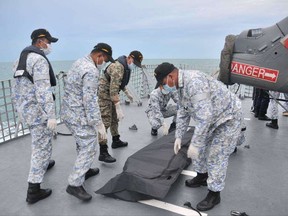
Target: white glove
[[165, 128], [119, 112], [102, 131], [193, 152], [51, 124], [177, 145], [128, 94]]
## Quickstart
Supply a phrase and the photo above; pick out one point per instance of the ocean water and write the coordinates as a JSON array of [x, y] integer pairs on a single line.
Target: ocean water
[[205, 65], [7, 116]]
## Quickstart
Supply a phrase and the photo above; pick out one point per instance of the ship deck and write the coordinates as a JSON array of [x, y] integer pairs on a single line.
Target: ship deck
[[255, 183]]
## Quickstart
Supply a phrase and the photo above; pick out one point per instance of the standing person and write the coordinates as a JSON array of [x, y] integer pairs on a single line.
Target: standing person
[[217, 112], [157, 110], [115, 78], [273, 108], [81, 114], [33, 98], [285, 113], [261, 103]]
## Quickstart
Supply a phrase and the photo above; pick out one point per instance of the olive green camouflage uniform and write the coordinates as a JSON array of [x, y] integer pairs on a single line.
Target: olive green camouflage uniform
[[109, 87]]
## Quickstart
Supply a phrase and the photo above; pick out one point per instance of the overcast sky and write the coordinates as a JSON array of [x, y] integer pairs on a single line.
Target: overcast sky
[[157, 28]]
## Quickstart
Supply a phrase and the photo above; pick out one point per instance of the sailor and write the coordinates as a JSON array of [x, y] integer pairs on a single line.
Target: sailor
[[81, 114], [33, 99], [273, 109], [115, 78], [217, 113], [261, 103], [158, 109]]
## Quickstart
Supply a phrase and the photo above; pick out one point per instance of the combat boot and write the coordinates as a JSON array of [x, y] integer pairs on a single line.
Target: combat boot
[[91, 172], [154, 132], [273, 124], [264, 118], [78, 192], [212, 199], [51, 164], [172, 127], [104, 155], [117, 143], [35, 193], [199, 180]]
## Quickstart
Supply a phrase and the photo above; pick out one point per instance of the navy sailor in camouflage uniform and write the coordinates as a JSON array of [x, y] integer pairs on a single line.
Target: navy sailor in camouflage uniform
[[158, 109], [81, 114], [218, 116], [33, 99], [114, 79]]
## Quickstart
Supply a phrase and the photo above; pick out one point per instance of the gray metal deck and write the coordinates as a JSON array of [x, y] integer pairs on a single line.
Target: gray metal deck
[[256, 178]]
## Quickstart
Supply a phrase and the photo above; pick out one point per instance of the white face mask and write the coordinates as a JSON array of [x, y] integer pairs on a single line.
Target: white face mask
[[48, 49], [132, 66], [164, 91], [101, 66], [167, 88]]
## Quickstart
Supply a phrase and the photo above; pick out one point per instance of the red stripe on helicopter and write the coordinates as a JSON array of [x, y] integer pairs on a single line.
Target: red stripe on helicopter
[[254, 71]]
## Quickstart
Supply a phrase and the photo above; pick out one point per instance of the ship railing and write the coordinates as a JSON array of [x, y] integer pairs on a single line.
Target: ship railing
[[142, 82]]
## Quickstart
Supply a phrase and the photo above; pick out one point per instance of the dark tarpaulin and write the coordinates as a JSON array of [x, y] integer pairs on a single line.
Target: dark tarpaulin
[[150, 172]]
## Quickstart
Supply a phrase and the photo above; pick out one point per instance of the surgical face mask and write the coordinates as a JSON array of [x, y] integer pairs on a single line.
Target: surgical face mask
[[101, 66], [132, 66], [168, 88], [164, 91], [48, 49]]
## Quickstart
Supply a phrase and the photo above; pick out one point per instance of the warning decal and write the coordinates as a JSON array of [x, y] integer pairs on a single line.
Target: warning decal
[[254, 71]]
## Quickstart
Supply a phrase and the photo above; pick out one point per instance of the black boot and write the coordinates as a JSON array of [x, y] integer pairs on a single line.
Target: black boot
[[78, 192], [51, 164], [199, 180], [154, 132], [264, 118], [273, 124], [117, 143], [35, 193], [172, 127], [212, 199], [104, 155], [91, 172]]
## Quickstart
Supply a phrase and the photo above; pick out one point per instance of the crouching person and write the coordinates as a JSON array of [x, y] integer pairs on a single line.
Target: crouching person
[[81, 114], [158, 109]]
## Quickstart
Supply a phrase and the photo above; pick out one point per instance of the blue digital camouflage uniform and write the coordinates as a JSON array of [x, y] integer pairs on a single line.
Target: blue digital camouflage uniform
[[273, 105], [34, 104], [218, 116], [81, 113], [157, 108]]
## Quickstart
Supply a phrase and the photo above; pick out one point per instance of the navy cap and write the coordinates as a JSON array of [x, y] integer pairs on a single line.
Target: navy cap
[[161, 71], [105, 48], [43, 33]]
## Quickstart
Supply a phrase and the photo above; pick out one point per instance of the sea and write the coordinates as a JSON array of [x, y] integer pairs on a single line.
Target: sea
[[205, 65], [7, 117]]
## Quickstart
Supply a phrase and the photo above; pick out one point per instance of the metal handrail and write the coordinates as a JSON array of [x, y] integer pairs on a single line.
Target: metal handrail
[[142, 82]]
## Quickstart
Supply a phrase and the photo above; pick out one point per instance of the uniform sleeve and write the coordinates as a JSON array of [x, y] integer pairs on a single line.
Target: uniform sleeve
[[43, 89], [90, 98], [175, 97], [115, 72], [154, 114], [202, 112], [203, 117], [182, 122]]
